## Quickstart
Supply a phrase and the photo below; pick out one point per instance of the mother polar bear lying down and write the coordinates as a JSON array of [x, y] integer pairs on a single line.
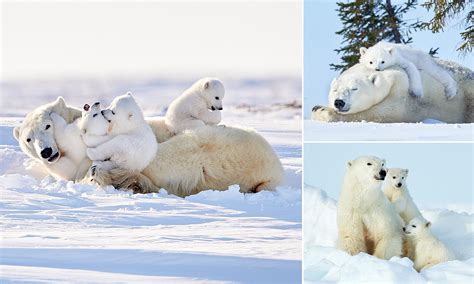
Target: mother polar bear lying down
[[185, 164], [361, 94]]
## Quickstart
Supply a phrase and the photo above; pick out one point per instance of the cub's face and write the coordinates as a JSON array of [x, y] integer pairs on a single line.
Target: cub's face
[[368, 168], [377, 58], [416, 227], [354, 93], [93, 122], [213, 92], [397, 177], [124, 114]]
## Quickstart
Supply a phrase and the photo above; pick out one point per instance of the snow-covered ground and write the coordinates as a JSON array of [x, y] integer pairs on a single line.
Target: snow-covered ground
[[369, 131], [324, 263], [58, 231]]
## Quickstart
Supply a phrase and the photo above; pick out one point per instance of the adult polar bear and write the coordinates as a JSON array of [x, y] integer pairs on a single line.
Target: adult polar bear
[[360, 94], [366, 220], [208, 158]]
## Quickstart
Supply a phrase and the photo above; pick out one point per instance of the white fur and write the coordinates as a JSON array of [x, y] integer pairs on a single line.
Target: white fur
[[132, 144], [199, 105], [366, 220], [34, 137], [382, 97], [396, 189], [428, 250], [384, 55]]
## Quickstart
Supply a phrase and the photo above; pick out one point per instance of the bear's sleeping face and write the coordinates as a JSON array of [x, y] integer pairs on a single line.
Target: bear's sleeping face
[[368, 168], [93, 121], [353, 93], [397, 177], [124, 115], [36, 136], [377, 58], [212, 91], [416, 227]]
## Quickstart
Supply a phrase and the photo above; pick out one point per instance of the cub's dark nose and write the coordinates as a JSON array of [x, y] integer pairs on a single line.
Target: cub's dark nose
[[399, 184], [382, 173], [46, 153], [404, 229], [213, 108], [339, 104], [377, 69], [221, 108], [102, 112]]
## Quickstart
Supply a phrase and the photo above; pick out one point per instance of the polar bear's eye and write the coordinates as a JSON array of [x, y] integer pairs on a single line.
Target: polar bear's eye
[[217, 98], [370, 62], [354, 89], [369, 164], [28, 140], [47, 127], [403, 177], [393, 177], [383, 62], [94, 115], [413, 226]]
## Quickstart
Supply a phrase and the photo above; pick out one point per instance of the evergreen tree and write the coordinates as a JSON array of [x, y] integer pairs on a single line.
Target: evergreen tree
[[366, 22], [448, 10]]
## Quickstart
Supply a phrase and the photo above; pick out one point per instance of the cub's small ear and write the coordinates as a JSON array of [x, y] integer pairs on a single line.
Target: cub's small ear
[[129, 94], [16, 133], [389, 50], [87, 107], [373, 78], [206, 85], [349, 164], [130, 115], [83, 131], [362, 50], [60, 102], [333, 82], [406, 171], [428, 224]]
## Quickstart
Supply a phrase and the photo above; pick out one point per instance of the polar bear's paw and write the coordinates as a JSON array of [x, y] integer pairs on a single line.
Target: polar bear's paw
[[415, 93], [324, 114], [93, 154], [451, 92]]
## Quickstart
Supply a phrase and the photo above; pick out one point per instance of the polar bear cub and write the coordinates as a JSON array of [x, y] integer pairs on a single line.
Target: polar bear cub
[[132, 144], [384, 55], [366, 220], [428, 250], [74, 138], [396, 189], [199, 105]]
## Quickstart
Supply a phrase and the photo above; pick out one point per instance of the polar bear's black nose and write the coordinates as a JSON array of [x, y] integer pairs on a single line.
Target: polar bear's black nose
[[404, 229], [382, 173], [377, 69], [339, 104], [213, 108], [399, 184], [46, 153]]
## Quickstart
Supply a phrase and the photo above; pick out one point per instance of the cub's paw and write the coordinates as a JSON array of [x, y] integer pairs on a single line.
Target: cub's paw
[[415, 93], [451, 92]]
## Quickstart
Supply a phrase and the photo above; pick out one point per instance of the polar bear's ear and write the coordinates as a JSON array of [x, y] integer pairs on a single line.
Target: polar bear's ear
[[405, 171], [389, 50], [373, 78], [349, 164], [87, 107], [428, 224], [362, 50], [16, 133], [60, 102], [333, 82], [206, 85], [130, 115], [128, 94]]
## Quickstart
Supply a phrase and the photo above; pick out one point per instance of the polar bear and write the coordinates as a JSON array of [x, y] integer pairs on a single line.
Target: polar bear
[[359, 94], [366, 220], [199, 105], [396, 189], [384, 55], [35, 136], [204, 158], [131, 144], [428, 250], [74, 138]]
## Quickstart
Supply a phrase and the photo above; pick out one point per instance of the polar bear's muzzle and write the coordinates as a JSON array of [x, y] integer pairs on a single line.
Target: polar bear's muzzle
[[381, 175], [341, 106]]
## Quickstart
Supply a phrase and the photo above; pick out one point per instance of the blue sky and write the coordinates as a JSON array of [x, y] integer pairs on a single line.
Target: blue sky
[[320, 24], [440, 175]]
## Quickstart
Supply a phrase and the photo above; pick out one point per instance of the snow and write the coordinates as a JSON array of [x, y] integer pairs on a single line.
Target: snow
[[429, 130], [324, 263], [55, 231]]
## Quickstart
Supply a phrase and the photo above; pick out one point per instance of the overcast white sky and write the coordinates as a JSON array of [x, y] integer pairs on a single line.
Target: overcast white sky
[[46, 39]]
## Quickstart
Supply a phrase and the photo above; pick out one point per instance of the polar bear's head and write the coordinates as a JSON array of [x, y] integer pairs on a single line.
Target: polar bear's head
[[124, 115], [368, 168], [396, 177], [93, 121], [416, 227], [212, 91], [377, 58], [356, 92], [36, 136]]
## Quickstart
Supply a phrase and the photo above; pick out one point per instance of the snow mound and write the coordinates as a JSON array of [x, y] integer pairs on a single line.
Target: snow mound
[[324, 263]]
